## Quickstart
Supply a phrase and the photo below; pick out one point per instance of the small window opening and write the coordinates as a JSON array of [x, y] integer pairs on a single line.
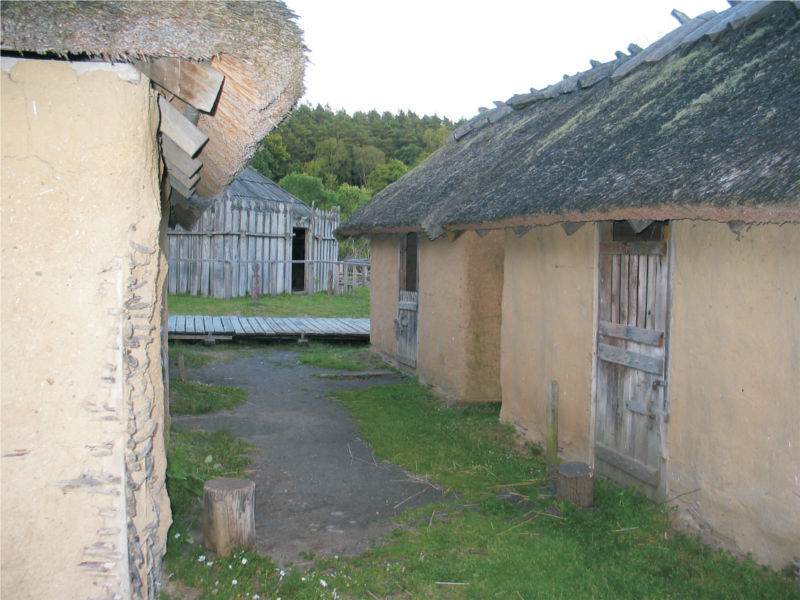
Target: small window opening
[[622, 231], [298, 254], [409, 262]]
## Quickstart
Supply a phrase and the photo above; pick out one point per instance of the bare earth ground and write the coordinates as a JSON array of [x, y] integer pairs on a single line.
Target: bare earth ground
[[319, 489]]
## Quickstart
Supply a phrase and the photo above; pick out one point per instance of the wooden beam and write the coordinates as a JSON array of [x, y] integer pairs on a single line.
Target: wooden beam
[[180, 176], [634, 468], [628, 358], [183, 190], [628, 248], [172, 153], [651, 337], [194, 82], [175, 126]]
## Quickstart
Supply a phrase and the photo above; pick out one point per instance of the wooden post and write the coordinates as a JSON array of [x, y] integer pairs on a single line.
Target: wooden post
[[330, 283], [228, 515], [551, 450], [576, 483], [255, 287], [181, 368]]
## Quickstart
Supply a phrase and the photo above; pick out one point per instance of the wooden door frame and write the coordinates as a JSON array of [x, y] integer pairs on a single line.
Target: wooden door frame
[[662, 490], [403, 288]]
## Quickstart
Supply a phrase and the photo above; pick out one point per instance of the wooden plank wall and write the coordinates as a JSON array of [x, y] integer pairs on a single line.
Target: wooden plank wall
[[215, 258]]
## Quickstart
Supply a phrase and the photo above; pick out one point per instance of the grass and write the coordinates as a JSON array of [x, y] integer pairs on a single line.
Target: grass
[[500, 534], [193, 458], [354, 304], [196, 398], [196, 354], [346, 357]]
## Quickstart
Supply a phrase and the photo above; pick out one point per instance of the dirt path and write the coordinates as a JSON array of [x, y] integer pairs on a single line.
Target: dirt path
[[318, 487]]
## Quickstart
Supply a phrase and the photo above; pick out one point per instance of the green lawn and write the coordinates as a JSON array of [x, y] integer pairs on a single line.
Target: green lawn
[[500, 534], [354, 304]]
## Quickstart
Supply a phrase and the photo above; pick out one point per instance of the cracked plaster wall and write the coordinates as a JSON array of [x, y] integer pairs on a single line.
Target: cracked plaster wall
[[84, 510]]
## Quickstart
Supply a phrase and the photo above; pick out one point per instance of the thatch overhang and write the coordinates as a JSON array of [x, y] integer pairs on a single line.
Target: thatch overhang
[[231, 70], [703, 124]]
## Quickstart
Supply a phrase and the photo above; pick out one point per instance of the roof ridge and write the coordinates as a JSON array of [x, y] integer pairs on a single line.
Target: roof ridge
[[709, 24]]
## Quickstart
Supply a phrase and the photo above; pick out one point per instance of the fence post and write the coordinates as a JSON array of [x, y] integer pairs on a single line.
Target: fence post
[[228, 280], [273, 279], [551, 449], [255, 288], [330, 283]]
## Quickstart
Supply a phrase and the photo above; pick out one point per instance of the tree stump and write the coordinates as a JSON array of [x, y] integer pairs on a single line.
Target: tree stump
[[228, 514], [576, 483]]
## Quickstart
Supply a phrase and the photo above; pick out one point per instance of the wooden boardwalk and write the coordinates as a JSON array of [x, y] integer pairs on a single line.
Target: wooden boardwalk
[[198, 327]]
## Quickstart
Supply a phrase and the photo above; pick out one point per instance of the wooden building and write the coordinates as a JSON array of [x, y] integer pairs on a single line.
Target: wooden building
[[633, 233], [113, 115], [254, 227]]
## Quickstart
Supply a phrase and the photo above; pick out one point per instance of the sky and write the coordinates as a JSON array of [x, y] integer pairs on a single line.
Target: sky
[[450, 57]]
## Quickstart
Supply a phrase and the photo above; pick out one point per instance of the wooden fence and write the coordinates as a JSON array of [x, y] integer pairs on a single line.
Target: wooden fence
[[267, 276], [217, 257]]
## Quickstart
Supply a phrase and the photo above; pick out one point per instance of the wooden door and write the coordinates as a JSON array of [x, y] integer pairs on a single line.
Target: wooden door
[[405, 325], [632, 409]]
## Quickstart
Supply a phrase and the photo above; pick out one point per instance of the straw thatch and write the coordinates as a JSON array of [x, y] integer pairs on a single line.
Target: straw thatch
[[255, 44], [703, 124]]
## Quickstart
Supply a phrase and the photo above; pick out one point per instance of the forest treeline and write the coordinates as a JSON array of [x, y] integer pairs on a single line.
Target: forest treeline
[[332, 158]]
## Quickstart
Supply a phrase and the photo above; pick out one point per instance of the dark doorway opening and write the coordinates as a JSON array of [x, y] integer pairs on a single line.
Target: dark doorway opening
[[299, 254]]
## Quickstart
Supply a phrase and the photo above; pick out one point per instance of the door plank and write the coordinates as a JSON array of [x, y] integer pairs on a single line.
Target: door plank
[[604, 284], [631, 359], [633, 289], [628, 248], [641, 302], [644, 473], [631, 334], [623, 289], [615, 289]]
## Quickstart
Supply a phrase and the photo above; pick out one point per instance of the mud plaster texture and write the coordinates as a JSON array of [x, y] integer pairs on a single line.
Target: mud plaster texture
[[319, 489]]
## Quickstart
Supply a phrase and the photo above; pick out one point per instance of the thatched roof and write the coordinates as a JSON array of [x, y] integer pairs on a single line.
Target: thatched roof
[[255, 45], [252, 190], [703, 124]]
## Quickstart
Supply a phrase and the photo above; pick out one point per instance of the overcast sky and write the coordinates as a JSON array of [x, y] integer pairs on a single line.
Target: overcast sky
[[449, 57]]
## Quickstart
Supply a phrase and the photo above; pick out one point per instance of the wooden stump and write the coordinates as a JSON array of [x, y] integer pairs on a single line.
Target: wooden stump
[[576, 483], [228, 514]]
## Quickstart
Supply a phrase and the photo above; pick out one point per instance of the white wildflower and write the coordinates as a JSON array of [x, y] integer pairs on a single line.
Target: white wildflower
[[210, 563], [201, 558], [323, 583], [244, 561], [234, 582], [177, 535]]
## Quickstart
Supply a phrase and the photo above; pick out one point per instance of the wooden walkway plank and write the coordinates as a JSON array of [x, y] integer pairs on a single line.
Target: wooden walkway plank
[[264, 324], [237, 326], [341, 326], [253, 322], [202, 326], [312, 326], [245, 321], [227, 325], [219, 328], [208, 324]]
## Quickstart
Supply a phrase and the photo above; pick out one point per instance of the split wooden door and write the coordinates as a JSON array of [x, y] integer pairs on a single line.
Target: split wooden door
[[632, 412], [405, 325]]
